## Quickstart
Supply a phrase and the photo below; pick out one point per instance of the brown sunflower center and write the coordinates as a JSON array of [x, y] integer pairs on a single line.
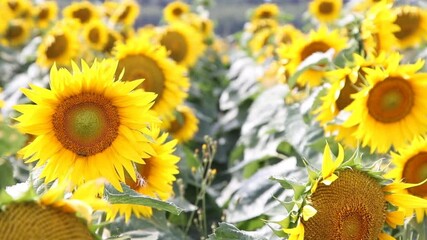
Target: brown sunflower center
[[32, 221], [142, 67], [265, 14], [124, 13], [94, 35], [86, 124], [344, 99], [316, 46], [415, 171], [14, 31], [13, 5], [83, 14], [176, 44], [408, 22], [177, 11], [109, 45], [57, 47], [43, 13], [326, 7], [352, 207], [142, 173], [177, 123], [391, 100]]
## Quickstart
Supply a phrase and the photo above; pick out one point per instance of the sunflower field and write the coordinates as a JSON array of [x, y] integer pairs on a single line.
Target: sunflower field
[[306, 120]]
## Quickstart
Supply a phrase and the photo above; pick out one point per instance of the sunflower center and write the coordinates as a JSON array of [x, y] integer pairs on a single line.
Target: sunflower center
[[57, 46], [94, 35], [86, 124], [352, 207], [316, 46], [43, 14], [176, 44], [124, 13], [13, 5], [142, 67], [265, 14], [408, 22], [326, 7], [32, 221], [177, 123], [109, 45], [415, 171], [83, 14], [14, 31], [177, 11], [391, 100], [344, 99]]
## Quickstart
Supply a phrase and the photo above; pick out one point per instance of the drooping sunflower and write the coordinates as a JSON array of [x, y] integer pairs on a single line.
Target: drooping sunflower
[[184, 125], [25, 215], [326, 10], [96, 34], [154, 178], [88, 125], [410, 167], [125, 13], [184, 44], [265, 11], [389, 110], [412, 21], [321, 40], [17, 33], [60, 45], [45, 13], [83, 12], [347, 201], [175, 10], [140, 59]]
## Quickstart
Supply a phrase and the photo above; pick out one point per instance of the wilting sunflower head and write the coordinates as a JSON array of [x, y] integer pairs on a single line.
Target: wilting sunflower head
[[17, 32], [141, 59], [412, 23], [184, 44], [60, 45], [83, 12], [25, 215], [88, 124], [96, 34], [326, 10], [386, 110], [175, 11], [125, 13], [321, 41], [45, 13], [348, 201], [184, 125], [19, 8], [265, 11], [154, 177]]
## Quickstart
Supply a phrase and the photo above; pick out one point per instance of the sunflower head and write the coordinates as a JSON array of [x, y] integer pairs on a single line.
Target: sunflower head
[[96, 34], [287, 34], [184, 125], [17, 32], [114, 38], [19, 8], [265, 11], [175, 11], [45, 13], [412, 23], [83, 12], [125, 13], [325, 10]]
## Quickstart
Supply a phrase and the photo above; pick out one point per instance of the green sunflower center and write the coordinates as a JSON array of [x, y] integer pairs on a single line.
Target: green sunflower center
[[94, 35], [86, 124], [391, 100], [14, 31], [408, 22], [142, 67], [415, 171], [58, 46], [83, 14], [32, 221], [326, 7], [316, 46], [176, 44], [352, 207]]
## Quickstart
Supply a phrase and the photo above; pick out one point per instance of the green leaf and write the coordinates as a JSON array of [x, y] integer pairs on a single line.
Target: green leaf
[[6, 173], [298, 188], [129, 196], [226, 231], [10, 139]]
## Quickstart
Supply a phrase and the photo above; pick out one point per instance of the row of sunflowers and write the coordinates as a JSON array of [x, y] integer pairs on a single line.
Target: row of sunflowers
[[112, 130]]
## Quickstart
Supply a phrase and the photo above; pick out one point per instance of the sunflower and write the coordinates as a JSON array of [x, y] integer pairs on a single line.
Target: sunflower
[[287, 34], [348, 201], [254, 27], [83, 11], [96, 34], [389, 110], [59, 45], [17, 33], [19, 8], [183, 42], [125, 13], [113, 38], [202, 25], [412, 22], [51, 215], [367, 4], [88, 125], [411, 166], [318, 41], [155, 177], [140, 59], [45, 13], [378, 29], [183, 126], [261, 44], [174, 11], [265, 11], [326, 10]]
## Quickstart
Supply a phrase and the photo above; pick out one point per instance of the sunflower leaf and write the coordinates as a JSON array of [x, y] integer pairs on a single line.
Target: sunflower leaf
[[230, 232], [129, 196]]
